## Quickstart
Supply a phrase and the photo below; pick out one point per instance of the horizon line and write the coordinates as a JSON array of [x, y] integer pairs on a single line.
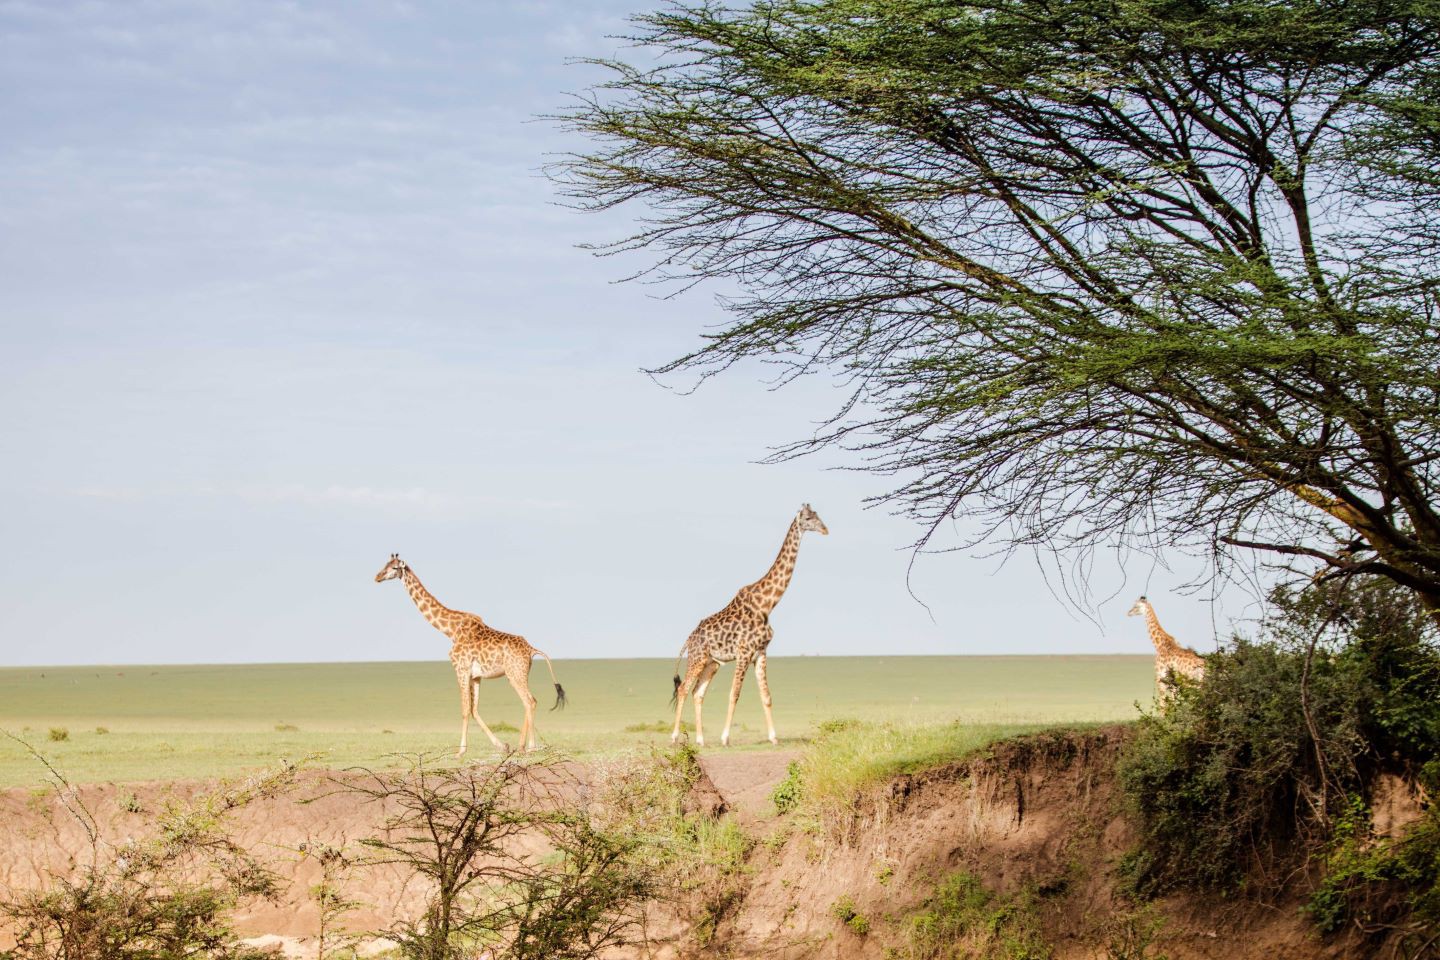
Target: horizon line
[[331, 663]]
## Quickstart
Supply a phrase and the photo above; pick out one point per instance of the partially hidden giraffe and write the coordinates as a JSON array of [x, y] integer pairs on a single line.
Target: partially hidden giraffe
[[1171, 659], [741, 632], [479, 652]]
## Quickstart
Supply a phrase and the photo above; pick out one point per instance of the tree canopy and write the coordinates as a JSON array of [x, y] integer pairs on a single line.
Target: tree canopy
[[1099, 271]]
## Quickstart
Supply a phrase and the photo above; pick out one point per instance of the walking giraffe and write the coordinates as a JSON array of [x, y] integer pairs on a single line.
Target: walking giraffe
[[1171, 659], [479, 652], [740, 632]]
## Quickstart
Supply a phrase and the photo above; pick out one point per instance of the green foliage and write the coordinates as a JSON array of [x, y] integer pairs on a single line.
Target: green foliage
[[844, 910], [657, 726], [787, 793], [102, 731], [165, 895], [648, 797], [850, 763], [1250, 770], [332, 903], [1076, 257], [58, 734], [1131, 934], [1380, 883], [963, 919], [286, 728], [470, 833], [835, 725]]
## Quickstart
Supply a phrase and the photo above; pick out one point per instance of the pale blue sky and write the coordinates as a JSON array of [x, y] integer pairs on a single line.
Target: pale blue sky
[[284, 291]]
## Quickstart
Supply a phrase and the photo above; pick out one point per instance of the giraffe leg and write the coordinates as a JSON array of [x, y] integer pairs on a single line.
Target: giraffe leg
[[701, 685], [475, 712], [520, 679], [692, 673], [742, 664], [764, 683], [465, 707]]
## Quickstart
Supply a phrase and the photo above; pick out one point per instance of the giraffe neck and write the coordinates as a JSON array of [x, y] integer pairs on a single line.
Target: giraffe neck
[[440, 616], [1164, 643], [766, 592]]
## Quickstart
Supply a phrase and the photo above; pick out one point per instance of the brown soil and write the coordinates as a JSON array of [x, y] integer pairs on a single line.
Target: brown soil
[[1039, 813]]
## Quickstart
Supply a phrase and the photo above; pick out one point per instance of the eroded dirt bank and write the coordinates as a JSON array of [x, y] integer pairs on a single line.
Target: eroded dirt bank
[[1036, 822]]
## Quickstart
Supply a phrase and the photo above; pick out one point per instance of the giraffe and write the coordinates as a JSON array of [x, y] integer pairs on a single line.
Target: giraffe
[[1171, 659], [479, 652], [740, 632]]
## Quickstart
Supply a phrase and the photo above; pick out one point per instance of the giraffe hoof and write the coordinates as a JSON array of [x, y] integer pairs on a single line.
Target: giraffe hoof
[[774, 740]]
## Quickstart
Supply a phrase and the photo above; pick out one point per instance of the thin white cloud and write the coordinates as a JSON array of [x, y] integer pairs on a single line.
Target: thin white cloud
[[333, 495]]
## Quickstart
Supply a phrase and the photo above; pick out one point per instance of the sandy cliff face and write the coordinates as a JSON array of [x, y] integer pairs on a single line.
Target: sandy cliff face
[[1037, 823]]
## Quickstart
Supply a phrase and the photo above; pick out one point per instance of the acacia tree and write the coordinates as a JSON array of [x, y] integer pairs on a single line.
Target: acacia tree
[[1099, 271]]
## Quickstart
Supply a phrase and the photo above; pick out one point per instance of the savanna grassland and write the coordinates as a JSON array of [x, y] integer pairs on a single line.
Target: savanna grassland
[[164, 722]]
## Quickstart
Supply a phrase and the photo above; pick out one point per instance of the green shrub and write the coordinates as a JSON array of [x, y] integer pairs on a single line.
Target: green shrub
[[1130, 934], [1380, 883], [964, 919], [168, 893], [1252, 770], [844, 910], [657, 726], [57, 734], [647, 797], [286, 728], [102, 730], [470, 832], [787, 793]]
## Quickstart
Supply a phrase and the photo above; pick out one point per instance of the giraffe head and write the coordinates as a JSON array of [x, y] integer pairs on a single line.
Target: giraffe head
[[1140, 607], [394, 568], [810, 520]]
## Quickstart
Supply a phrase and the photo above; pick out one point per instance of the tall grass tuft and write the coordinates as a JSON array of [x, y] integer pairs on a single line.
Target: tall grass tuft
[[850, 762]]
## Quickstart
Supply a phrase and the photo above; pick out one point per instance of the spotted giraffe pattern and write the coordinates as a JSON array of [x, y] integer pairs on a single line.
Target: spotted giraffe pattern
[[1171, 659], [741, 633], [478, 652]]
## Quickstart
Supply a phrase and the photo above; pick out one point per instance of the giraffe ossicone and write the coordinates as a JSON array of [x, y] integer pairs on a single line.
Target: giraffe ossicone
[[740, 632], [478, 652]]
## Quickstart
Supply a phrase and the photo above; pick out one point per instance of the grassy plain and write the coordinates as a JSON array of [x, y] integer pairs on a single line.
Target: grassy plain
[[167, 722]]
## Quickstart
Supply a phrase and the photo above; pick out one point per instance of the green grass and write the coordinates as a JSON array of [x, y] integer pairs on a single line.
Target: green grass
[[963, 913], [193, 721], [853, 757]]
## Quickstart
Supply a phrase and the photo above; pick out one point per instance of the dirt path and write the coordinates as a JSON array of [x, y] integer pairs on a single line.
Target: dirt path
[[746, 780]]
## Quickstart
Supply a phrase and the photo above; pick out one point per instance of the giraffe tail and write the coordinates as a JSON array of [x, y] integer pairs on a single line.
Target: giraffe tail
[[560, 698], [675, 694]]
